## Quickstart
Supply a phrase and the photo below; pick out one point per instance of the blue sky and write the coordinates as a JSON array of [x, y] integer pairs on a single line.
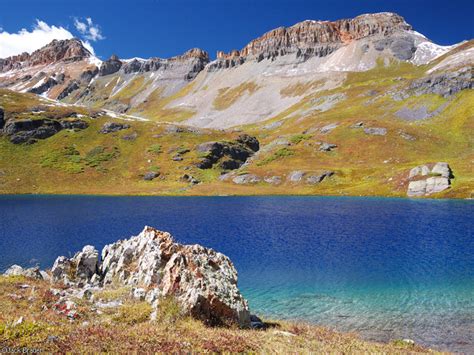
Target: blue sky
[[164, 28]]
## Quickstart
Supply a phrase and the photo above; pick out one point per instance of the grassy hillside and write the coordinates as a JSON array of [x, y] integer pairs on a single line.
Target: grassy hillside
[[87, 161], [127, 327]]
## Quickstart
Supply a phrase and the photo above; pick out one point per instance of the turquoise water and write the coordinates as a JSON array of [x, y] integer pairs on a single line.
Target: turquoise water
[[385, 268]]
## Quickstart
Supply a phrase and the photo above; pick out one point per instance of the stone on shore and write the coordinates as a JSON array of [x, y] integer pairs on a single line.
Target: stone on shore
[[203, 281], [433, 180]]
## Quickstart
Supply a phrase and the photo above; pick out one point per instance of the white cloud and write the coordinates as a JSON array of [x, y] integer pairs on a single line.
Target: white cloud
[[41, 35], [88, 29], [29, 41]]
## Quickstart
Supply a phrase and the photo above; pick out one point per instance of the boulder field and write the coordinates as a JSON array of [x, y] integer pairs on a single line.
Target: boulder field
[[154, 267]]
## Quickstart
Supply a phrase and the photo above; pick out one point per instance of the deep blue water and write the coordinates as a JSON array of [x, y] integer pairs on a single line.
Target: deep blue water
[[385, 268]]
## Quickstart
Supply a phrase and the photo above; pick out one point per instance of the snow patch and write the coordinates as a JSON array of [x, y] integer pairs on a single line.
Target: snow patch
[[428, 51]]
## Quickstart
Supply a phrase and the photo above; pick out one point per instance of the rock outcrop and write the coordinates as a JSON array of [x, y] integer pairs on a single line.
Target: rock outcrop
[[110, 66], [30, 130], [203, 281], [231, 155], [17, 270], [429, 179], [444, 84], [195, 59], [111, 127]]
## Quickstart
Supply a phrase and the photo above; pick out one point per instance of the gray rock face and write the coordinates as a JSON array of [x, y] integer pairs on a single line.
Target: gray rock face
[[87, 262], [375, 131], [17, 270], [421, 170], [48, 84], [110, 127], [416, 188], [246, 179], [438, 179], [445, 84], [74, 124], [110, 66], [442, 169], [29, 130], [296, 176], [203, 281], [82, 267], [402, 48], [191, 63], [72, 86], [436, 184]]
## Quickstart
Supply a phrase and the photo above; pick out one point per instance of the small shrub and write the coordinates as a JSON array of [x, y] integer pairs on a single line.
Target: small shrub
[[155, 149], [299, 137], [24, 329], [169, 310], [98, 155], [133, 313], [281, 153], [112, 294], [67, 159]]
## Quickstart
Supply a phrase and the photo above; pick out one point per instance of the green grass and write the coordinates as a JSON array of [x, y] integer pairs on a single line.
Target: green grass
[[280, 153], [155, 149]]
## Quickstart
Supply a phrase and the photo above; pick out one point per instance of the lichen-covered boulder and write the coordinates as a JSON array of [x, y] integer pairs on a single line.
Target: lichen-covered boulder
[[203, 281]]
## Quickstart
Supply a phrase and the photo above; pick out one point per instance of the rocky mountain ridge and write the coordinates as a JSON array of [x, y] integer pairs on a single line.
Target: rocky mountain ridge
[[319, 38], [70, 50]]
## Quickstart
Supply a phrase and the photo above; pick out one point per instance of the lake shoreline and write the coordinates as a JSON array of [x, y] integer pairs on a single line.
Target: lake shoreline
[[386, 197]]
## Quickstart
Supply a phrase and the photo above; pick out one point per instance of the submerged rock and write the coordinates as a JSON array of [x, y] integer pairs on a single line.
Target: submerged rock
[[203, 281]]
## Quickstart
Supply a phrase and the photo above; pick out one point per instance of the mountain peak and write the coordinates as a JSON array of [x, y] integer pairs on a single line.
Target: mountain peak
[[320, 37], [69, 50]]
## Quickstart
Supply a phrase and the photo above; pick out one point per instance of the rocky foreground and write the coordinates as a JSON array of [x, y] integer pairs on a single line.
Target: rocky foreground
[[150, 293]]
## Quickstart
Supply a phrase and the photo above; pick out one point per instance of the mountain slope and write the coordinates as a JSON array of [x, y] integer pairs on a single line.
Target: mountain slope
[[344, 107]]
